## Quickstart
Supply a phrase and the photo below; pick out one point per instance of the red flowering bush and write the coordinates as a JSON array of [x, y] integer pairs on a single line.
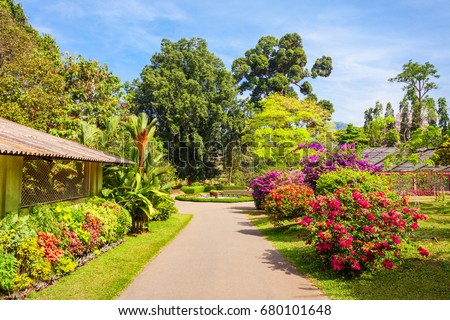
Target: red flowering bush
[[288, 202], [353, 232]]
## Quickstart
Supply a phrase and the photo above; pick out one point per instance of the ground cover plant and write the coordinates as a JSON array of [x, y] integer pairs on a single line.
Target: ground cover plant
[[50, 241]]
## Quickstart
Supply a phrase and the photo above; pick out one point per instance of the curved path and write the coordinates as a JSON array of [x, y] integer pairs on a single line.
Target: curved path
[[219, 255]]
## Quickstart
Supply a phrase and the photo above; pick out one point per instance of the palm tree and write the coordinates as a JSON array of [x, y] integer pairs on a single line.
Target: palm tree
[[141, 131]]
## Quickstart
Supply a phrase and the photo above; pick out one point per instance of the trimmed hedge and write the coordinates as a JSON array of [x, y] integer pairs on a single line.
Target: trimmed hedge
[[221, 200], [193, 189], [221, 187]]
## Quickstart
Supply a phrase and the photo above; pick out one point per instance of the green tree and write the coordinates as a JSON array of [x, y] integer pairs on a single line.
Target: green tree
[[417, 79], [273, 66], [431, 112], [42, 91], [31, 90], [189, 91], [443, 115], [283, 124], [377, 132], [389, 113], [354, 135], [94, 93], [405, 126]]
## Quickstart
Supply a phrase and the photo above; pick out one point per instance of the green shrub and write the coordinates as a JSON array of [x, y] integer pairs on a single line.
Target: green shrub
[[164, 210], [193, 189], [115, 221], [364, 181], [222, 187]]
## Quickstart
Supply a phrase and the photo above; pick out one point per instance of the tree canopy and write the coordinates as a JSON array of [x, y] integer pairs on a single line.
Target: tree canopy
[[274, 66], [190, 92], [43, 91], [283, 124]]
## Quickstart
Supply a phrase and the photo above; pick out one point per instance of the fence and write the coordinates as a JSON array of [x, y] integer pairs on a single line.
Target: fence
[[47, 181]]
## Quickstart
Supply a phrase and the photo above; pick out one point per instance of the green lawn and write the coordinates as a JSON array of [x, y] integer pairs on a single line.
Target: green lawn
[[105, 277], [416, 278]]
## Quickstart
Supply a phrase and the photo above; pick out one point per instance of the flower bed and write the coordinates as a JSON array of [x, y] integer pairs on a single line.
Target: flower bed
[[52, 241]]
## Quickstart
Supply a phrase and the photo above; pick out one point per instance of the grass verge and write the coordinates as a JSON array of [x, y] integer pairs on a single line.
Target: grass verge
[[105, 277], [415, 279], [221, 200]]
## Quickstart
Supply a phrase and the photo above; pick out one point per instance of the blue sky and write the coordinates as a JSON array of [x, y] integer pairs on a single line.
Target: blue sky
[[369, 41]]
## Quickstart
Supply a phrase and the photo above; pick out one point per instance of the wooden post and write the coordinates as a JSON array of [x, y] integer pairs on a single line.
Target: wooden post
[[11, 171], [95, 177]]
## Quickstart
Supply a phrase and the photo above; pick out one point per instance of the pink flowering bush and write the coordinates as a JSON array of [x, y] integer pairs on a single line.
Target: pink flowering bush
[[262, 185], [288, 202], [353, 232]]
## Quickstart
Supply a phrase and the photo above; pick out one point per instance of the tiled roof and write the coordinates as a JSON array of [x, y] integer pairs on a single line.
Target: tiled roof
[[377, 156], [16, 139]]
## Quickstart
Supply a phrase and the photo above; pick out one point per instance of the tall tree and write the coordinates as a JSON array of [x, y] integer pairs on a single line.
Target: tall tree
[[390, 113], [417, 79], [273, 66], [443, 115], [404, 130], [431, 112], [378, 110], [31, 90], [40, 90], [94, 93], [190, 92]]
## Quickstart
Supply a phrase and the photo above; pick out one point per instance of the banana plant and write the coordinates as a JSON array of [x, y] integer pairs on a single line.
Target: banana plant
[[137, 188]]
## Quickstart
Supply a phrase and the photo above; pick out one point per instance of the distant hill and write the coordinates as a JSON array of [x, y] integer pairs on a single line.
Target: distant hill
[[340, 125]]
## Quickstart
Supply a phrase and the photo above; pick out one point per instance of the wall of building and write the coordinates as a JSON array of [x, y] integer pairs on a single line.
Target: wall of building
[[11, 174]]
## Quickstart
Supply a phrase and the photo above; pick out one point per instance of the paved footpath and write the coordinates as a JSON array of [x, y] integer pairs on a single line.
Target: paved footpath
[[220, 255]]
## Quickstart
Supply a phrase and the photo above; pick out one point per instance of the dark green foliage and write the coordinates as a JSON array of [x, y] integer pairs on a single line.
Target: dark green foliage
[[354, 135], [273, 66], [220, 200], [40, 90], [193, 96], [222, 187], [193, 189], [443, 115]]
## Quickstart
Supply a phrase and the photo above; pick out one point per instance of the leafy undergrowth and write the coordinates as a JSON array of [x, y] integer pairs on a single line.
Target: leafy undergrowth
[[414, 279], [107, 276]]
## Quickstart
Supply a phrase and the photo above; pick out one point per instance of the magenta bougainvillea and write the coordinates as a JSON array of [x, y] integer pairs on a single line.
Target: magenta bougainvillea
[[262, 185], [353, 232], [320, 160]]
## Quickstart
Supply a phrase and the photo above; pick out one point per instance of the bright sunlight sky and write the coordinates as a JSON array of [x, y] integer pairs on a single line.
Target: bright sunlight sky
[[369, 41]]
